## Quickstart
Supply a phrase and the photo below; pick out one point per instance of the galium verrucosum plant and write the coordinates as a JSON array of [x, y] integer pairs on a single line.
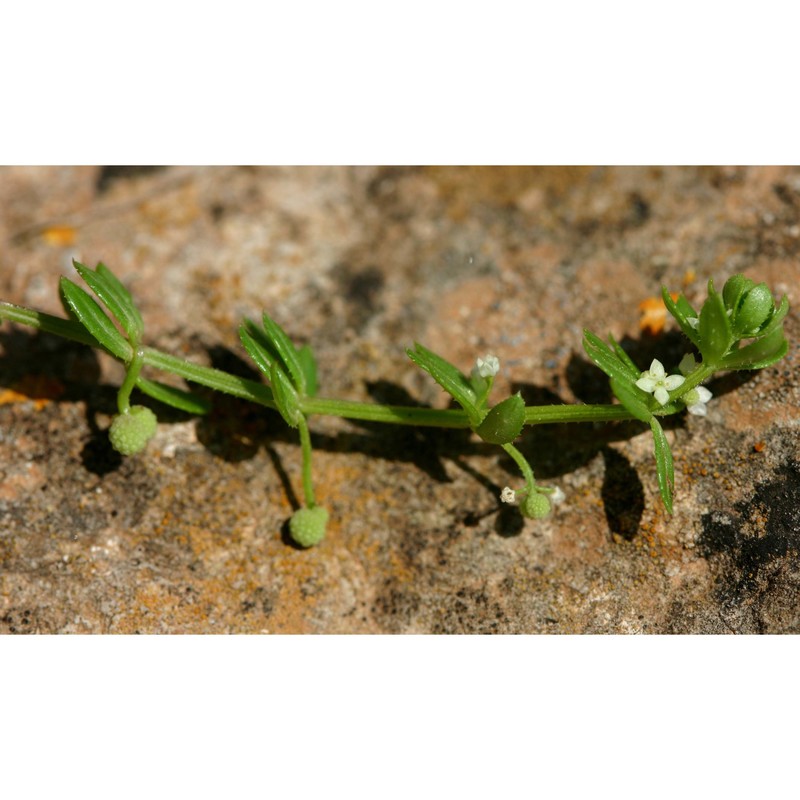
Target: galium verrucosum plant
[[741, 328]]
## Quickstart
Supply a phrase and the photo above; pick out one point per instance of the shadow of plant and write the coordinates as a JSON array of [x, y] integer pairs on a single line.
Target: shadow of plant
[[235, 429]]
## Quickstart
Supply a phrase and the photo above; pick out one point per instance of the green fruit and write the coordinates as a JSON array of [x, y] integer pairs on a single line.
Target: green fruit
[[307, 525], [129, 433], [535, 506]]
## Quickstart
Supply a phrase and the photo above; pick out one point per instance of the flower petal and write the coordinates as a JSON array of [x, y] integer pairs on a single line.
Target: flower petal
[[656, 369], [698, 409], [705, 394], [662, 395], [673, 382], [646, 384]]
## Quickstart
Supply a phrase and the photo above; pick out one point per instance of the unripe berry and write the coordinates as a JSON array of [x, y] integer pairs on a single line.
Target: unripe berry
[[307, 525], [129, 433], [535, 506]]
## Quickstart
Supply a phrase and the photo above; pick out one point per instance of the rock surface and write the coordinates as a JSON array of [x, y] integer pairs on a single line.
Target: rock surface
[[191, 537]]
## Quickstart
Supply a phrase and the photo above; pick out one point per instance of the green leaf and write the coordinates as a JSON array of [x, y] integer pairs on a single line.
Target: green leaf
[[761, 353], [504, 422], [777, 318], [287, 353], [608, 361], [285, 396], [714, 328], [94, 319], [308, 363], [682, 311], [625, 359], [256, 347], [172, 396], [664, 468], [449, 377], [115, 297], [632, 398]]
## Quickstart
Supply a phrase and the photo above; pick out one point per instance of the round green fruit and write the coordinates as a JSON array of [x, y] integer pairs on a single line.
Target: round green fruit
[[307, 525], [129, 433], [535, 506]]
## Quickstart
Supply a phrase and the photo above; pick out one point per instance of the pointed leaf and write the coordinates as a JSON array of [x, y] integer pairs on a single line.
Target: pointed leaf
[[308, 363], [94, 319], [682, 311], [172, 396], [777, 318], [758, 354], [605, 358], [122, 291], [115, 297], [286, 352], [285, 396], [256, 349], [449, 377], [664, 467], [625, 359], [714, 328], [632, 398], [504, 422]]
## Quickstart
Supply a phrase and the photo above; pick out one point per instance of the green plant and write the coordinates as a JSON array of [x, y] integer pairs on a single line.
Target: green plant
[[740, 329]]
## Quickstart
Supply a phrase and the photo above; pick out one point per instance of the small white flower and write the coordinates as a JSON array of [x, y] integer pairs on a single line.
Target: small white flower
[[557, 496], [687, 365], [696, 400], [487, 366], [658, 383], [508, 495]]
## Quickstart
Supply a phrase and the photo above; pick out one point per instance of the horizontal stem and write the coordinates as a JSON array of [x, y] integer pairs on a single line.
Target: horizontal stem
[[259, 393], [66, 328], [541, 415]]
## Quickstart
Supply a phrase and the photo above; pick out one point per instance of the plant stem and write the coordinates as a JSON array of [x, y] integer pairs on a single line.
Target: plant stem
[[305, 444], [124, 394], [366, 412], [524, 466]]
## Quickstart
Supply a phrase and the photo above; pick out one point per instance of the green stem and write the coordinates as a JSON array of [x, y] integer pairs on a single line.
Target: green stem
[[701, 373], [367, 412], [131, 376], [540, 415], [305, 444], [524, 466], [66, 328]]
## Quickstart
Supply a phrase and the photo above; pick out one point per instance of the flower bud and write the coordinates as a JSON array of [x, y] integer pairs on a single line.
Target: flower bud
[[734, 288], [754, 311], [307, 525], [535, 506], [130, 432]]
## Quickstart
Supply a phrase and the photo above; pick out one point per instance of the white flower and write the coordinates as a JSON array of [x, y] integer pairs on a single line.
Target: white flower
[[557, 496], [508, 495], [657, 382], [487, 366], [696, 400]]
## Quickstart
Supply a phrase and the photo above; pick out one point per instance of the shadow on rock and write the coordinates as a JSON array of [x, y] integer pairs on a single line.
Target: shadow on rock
[[755, 551]]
